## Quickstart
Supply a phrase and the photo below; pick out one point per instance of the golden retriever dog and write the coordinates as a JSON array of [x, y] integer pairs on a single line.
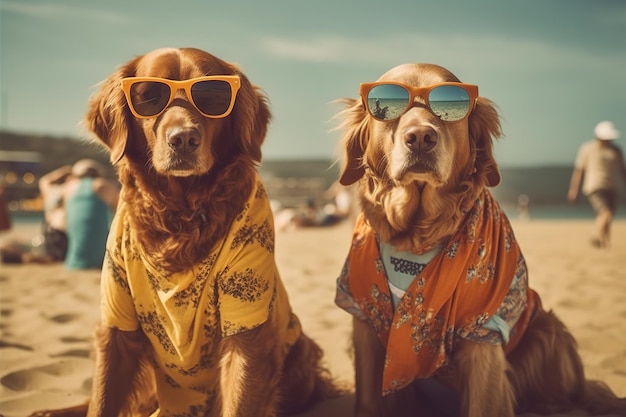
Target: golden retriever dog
[[444, 322], [195, 318]]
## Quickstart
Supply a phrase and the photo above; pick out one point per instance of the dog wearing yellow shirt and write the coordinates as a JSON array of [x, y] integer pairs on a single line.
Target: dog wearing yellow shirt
[[195, 318]]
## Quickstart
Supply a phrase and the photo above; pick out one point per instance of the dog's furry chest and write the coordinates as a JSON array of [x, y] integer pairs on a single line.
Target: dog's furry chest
[[235, 288]]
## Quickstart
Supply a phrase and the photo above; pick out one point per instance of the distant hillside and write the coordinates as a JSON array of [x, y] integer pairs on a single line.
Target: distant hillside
[[291, 181], [24, 158], [54, 151], [545, 185]]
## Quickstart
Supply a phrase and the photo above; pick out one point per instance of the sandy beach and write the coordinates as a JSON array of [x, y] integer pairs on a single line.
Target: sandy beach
[[48, 314]]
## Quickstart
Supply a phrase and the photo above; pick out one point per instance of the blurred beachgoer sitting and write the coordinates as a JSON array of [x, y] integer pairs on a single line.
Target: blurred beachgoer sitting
[[90, 200], [306, 216], [343, 198], [13, 251], [310, 215], [54, 225], [339, 206], [79, 202]]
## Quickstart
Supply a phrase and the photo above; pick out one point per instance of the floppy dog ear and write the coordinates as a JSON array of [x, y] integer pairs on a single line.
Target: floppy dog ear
[[354, 141], [252, 117], [108, 114], [484, 127]]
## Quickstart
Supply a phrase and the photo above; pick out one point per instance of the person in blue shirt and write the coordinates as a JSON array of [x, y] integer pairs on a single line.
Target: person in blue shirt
[[90, 201]]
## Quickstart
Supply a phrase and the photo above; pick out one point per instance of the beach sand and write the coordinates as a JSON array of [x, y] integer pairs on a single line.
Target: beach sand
[[48, 314]]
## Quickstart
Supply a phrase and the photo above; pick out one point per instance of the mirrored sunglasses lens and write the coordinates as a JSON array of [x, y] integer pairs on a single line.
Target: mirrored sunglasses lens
[[149, 97], [449, 102], [387, 101], [212, 97]]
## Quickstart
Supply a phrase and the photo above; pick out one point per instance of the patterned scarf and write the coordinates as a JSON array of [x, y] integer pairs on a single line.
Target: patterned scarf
[[453, 296]]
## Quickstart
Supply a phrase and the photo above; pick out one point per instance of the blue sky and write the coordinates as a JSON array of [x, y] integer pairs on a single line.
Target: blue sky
[[554, 67]]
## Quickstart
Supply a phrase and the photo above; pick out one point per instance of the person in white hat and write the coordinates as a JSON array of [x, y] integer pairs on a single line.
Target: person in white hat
[[599, 164]]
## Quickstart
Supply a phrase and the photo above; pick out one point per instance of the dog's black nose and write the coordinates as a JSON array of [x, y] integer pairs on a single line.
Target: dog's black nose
[[183, 140], [420, 138]]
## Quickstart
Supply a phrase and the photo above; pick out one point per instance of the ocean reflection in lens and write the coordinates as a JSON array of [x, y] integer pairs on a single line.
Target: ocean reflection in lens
[[387, 101], [449, 102]]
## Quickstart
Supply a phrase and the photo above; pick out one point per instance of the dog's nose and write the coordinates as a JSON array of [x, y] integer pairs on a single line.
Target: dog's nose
[[183, 140], [420, 138]]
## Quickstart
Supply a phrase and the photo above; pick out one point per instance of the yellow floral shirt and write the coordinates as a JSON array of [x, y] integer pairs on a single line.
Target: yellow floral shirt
[[234, 289]]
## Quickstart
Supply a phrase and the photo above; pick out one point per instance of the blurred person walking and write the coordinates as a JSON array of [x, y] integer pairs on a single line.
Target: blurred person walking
[[598, 165], [90, 202]]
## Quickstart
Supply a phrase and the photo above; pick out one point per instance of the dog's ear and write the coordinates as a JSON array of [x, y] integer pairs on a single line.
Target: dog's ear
[[251, 116], [108, 113], [484, 127], [354, 142]]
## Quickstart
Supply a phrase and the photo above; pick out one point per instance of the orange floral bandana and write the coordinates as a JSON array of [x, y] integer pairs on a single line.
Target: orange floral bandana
[[480, 272]]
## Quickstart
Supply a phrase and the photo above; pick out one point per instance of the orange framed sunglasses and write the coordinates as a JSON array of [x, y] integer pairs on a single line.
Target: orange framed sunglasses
[[213, 95], [450, 101]]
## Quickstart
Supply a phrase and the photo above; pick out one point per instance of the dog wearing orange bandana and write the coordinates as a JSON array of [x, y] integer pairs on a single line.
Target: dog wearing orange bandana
[[444, 319]]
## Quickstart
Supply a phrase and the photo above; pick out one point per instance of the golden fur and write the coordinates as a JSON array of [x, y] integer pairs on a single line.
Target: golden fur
[[417, 178], [183, 201]]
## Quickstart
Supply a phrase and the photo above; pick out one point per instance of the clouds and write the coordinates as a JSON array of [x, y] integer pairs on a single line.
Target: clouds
[[321, 50], [512, 55], [59, 10]]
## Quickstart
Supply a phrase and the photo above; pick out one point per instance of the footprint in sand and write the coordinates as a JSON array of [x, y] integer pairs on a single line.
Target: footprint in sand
[[5, 344], [63, 318], [76, 353], [43, 377], [73, 339]]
